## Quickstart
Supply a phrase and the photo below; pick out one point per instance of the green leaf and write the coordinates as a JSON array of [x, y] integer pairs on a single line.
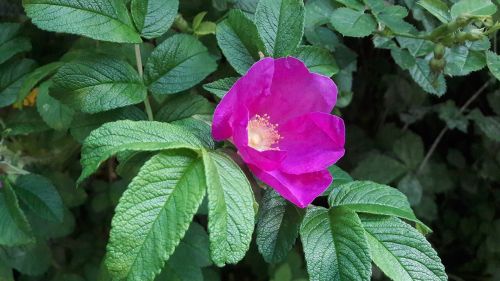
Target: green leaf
[[96, 84], [221, 86], [373, 198], [8, 30], [493, 62], [35, 77], [379, 168], [57, 115], [199, 127], [106, 20], [277, 227], [84, 123], [14, 224], [353, 4], [12, 76], [416, 47], [281, 25], [335, 246], [34, 259], [494, 101], [400, 251], [126, 135], [490, 126], [437, 8], [461, 61], [231, 213], [153, 215], [411, 187], [409, 149], [403, 58], [13, 47], [392, 17], [6, 273], [430, 82], [352, 23], [40, 196], [177, 64], [183, 106], [153, 17], [473, 8], [449, 113], [239, 41], [339, 178], [24, 122], [317, 59]]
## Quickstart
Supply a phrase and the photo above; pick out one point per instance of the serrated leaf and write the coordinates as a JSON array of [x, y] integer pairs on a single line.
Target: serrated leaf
[[379, 168], [437, 8], [239, 41], [430, 82], [231, 211], [96, 84], [392, 17], [57, 115], [335, 246], [12, 76], [317, 59], [33, 259], [13, 222], [449, 113], [13, 47], [35, 77], [400, 251], [403, 58], [126, 135], [281, 25], [277, 227], [84, 123], [416, 47], [461, 61], [177, 64], [373, 198], [221, 86], [153, 215], [183, 106], [40, 196], [200, 128], [493, 62], [352, 23], [473, 8], [106, 20], [153, 17]]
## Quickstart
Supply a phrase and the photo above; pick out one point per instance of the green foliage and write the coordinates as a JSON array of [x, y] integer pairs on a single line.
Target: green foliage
[[12, 76], [353, 23], [153, 17], [10, 43]]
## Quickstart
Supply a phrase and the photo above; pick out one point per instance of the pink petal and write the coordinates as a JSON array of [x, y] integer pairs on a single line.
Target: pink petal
[[313, 142], [295, 91], [301, 190], [257, 80]]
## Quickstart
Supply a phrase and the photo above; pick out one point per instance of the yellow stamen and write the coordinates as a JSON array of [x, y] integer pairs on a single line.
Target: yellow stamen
[[262, 134]]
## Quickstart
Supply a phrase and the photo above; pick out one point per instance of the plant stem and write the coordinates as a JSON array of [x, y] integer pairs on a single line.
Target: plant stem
[[138, 60], [445, 129]]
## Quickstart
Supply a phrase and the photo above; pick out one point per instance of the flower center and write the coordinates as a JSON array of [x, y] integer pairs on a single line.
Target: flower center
[[262, 134]]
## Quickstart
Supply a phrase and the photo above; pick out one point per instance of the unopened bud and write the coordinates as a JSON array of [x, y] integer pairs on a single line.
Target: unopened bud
[[437, 65], [439, 51]]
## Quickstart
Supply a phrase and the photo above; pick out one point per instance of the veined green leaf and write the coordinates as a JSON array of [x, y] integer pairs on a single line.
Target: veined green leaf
[[335, 246], [126, 135], [493, 62], [379, 168], [461, 61], [352, 23], [239, 41], [14, 224], [281, 25], [36, 76], [231, 211], [153, 215], [12, 76], [153, 17], [425, 78], [183, 106], [373, 198], [177, 64], [221, 86], [317, 59], [57, 115], [32, 259], [400, 251], [96, 84], [277, 227], [473, 8], [437, 8], [13, 47], [106, 20], [40, 196]]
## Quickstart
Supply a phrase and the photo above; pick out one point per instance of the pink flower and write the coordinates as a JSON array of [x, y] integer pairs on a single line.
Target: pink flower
[[278, 117]]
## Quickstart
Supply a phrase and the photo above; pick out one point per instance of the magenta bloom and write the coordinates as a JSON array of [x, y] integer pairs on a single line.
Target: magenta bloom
[[278, 116]]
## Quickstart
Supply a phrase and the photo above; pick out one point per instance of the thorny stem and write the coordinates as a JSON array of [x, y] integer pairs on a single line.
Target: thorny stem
[[138, 60], [445, 129]]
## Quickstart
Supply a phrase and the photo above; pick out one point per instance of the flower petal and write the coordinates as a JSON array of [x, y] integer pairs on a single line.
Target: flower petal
[[301, 190], [257, 80], [313, 142], [295, 91]]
